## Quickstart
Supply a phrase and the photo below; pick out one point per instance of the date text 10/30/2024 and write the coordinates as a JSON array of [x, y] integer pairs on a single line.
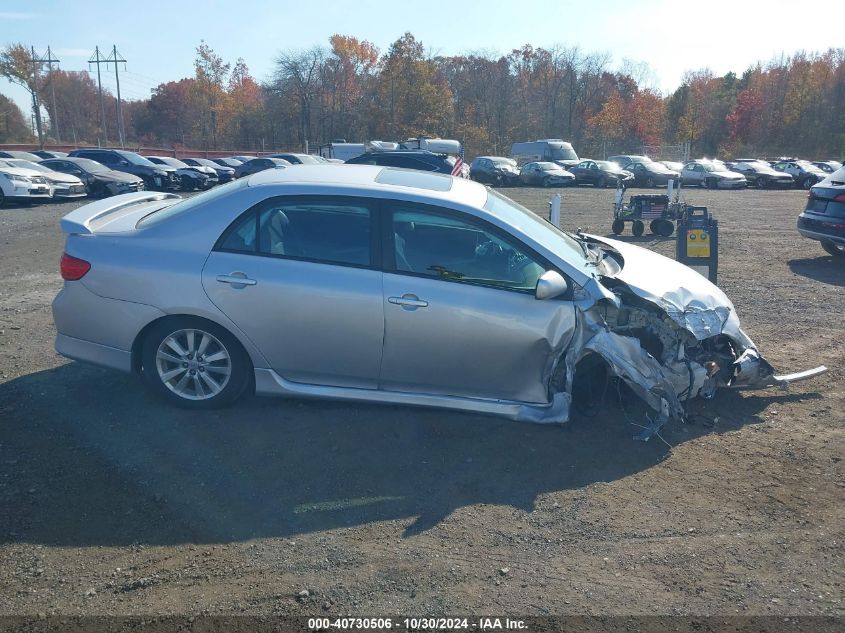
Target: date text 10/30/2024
[[416, 624]]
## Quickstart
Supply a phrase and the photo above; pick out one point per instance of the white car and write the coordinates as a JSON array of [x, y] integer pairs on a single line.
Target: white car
[[64, 185], [22, 184]]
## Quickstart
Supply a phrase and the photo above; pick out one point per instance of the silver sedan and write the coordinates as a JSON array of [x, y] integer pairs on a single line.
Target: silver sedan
[[386, 285]]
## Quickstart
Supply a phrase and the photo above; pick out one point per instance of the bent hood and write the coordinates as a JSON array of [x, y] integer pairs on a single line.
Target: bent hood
[[690, 300]]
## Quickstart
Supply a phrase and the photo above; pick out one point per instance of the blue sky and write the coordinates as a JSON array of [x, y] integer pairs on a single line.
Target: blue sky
[[159, 38]]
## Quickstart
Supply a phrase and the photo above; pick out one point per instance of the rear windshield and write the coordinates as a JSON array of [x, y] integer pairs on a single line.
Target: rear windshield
[[190, 203]]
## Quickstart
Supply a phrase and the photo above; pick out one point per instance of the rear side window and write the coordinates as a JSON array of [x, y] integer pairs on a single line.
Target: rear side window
[[328, 231]]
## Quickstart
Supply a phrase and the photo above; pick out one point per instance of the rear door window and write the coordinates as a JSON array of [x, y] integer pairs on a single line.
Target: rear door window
[[325, 230]]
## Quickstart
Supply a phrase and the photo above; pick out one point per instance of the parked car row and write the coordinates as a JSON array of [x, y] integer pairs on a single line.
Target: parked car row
[[99, 173]]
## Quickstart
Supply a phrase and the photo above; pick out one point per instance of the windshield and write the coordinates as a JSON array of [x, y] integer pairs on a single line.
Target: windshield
[[549, 166], [308, 160], [89, 165], [532, 225], [606, 164], [562, 153], [136, 160], [175, 162], [503, 161], [26, 164]]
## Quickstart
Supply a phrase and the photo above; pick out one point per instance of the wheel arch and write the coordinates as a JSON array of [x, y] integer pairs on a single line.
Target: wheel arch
[[138, 344]]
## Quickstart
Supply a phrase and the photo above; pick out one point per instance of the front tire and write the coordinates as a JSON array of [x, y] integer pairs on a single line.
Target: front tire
[[618, 226], [649, 182], [194, 364], [836, 250], [808, 183]]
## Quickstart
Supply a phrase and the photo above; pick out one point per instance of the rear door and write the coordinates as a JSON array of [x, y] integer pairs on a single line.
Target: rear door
[[299, 276]]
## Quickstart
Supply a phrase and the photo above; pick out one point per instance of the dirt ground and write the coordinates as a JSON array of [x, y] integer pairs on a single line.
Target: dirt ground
[[114, 503]]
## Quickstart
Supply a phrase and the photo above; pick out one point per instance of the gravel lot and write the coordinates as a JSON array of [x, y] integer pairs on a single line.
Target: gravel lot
[[113, 503]]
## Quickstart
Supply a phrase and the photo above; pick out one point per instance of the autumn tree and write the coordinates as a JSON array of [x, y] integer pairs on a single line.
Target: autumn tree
[[13, 127], [412, 99], [77, 105], [210, 74], [16, 66]]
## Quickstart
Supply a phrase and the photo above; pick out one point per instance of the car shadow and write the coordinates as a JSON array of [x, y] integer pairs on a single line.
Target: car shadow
[[89, 458], [826, 269]]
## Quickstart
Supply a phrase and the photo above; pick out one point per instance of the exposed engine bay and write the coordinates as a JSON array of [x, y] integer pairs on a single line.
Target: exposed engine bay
[[664, 330]]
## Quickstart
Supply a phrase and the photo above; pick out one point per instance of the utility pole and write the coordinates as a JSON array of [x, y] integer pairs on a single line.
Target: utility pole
[[36, 106], [116, 58], [55, 118], [96, 60]]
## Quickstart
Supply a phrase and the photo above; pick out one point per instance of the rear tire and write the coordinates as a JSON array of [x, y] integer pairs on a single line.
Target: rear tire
[[808, 183], [601, 183], [194, 363], [2, 198], [834, 249]]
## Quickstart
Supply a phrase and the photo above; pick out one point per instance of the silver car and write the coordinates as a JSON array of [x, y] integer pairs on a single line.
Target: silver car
[[711, 174], [385, 285]]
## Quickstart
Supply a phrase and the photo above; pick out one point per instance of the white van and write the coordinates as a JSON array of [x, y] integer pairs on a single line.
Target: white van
[[551, 149], [435, 145], [342, 151]]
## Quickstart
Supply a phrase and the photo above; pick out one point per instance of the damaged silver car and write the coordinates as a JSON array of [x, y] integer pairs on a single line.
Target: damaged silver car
[[386, 285]]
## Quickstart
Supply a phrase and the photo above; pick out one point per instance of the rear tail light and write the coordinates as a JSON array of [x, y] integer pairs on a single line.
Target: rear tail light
[[840, 198], [73, 268]]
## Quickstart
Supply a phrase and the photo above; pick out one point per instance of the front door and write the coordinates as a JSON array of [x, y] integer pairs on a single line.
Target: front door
[[461, 318]]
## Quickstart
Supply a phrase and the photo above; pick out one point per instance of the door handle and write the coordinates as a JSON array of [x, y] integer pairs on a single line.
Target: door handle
[[236, 279], [408, 301]]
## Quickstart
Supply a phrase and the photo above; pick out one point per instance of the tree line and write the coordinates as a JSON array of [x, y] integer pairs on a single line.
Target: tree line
[[349, 89]]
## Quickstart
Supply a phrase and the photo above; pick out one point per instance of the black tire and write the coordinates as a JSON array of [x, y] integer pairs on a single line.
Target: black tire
[[547, 182], [618, 226], [709, 183], [834, 249], [2, 198], [649, 182], [807, 183], [240, 367], [601, 183], [664, 228], [638, 228], [762, 183]]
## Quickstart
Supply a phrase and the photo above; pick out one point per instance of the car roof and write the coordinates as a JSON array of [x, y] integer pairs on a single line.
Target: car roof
[[374, 178]]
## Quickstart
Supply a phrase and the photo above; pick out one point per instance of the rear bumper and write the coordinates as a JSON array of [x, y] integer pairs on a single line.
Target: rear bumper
[[822, 237], [88, 352], [98, 330]]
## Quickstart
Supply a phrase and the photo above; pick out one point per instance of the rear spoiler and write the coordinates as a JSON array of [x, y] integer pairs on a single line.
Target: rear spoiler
[[79, 220]]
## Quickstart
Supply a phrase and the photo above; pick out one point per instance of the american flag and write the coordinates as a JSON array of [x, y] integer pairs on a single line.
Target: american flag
[[458, 169]]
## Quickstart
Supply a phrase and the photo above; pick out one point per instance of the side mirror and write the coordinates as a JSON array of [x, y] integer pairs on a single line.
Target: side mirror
[[550, 285]]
